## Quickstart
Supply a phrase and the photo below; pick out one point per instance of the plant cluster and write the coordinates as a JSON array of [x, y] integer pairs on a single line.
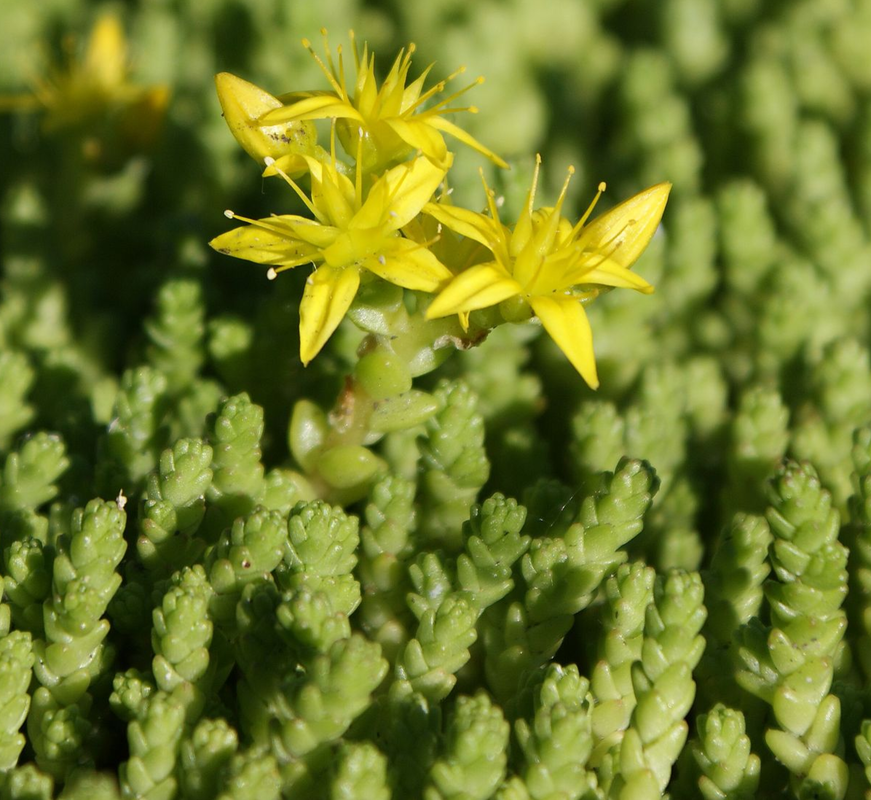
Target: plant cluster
[[362, 531]]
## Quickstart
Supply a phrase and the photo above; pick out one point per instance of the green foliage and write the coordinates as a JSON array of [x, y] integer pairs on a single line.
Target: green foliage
[[721, 752], [30, 472], [361, 771], [319, 585], [475, 752], [557, 741], [15, 412], [454, 465]]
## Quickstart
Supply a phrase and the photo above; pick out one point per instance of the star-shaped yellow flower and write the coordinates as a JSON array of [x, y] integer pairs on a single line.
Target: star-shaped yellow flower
[[550, 265], [391, 120], [349, 236]]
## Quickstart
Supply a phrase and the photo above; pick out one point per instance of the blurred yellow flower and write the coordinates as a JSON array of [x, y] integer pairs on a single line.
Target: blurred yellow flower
[[349, 235], [391, 120], [96, 85], [551, 266]]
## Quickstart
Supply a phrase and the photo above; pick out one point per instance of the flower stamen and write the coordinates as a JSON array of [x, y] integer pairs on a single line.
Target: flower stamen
[[272, 272], [582, 221], [491, 198], [270, 162], [438, 108], [339, 89], [257, 223], [530, 201], [358, 179]]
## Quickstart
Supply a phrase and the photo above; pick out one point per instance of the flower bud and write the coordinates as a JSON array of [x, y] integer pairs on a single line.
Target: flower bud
[[243, 104]]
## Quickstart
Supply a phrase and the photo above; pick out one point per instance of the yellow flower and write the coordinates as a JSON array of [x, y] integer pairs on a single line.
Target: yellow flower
[[349, 236], [97, 84], [550, 266], [390, 120]]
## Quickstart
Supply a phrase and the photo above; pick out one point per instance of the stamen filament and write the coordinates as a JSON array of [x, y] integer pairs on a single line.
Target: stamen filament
[[432, 112], [530, 201], [272, 272], [257, 223], [333, 143], [330, 77], [358, 178], [270, 162], [342, 74], [582, 221], [330, 63], [352, 36], [438, 107], [434, 89], [562, 194]]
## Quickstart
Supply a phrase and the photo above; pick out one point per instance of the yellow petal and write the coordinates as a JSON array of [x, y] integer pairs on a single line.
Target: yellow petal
[[105, 59], [566, 322], [608, 273], [477, 287], [270, 241], [333, 194], [471, 224], [399, 195], [293, 164], [623, 232], [328, 294], [317, 106], [421, 136], [409, 265], [446, 126], [244, 104]]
